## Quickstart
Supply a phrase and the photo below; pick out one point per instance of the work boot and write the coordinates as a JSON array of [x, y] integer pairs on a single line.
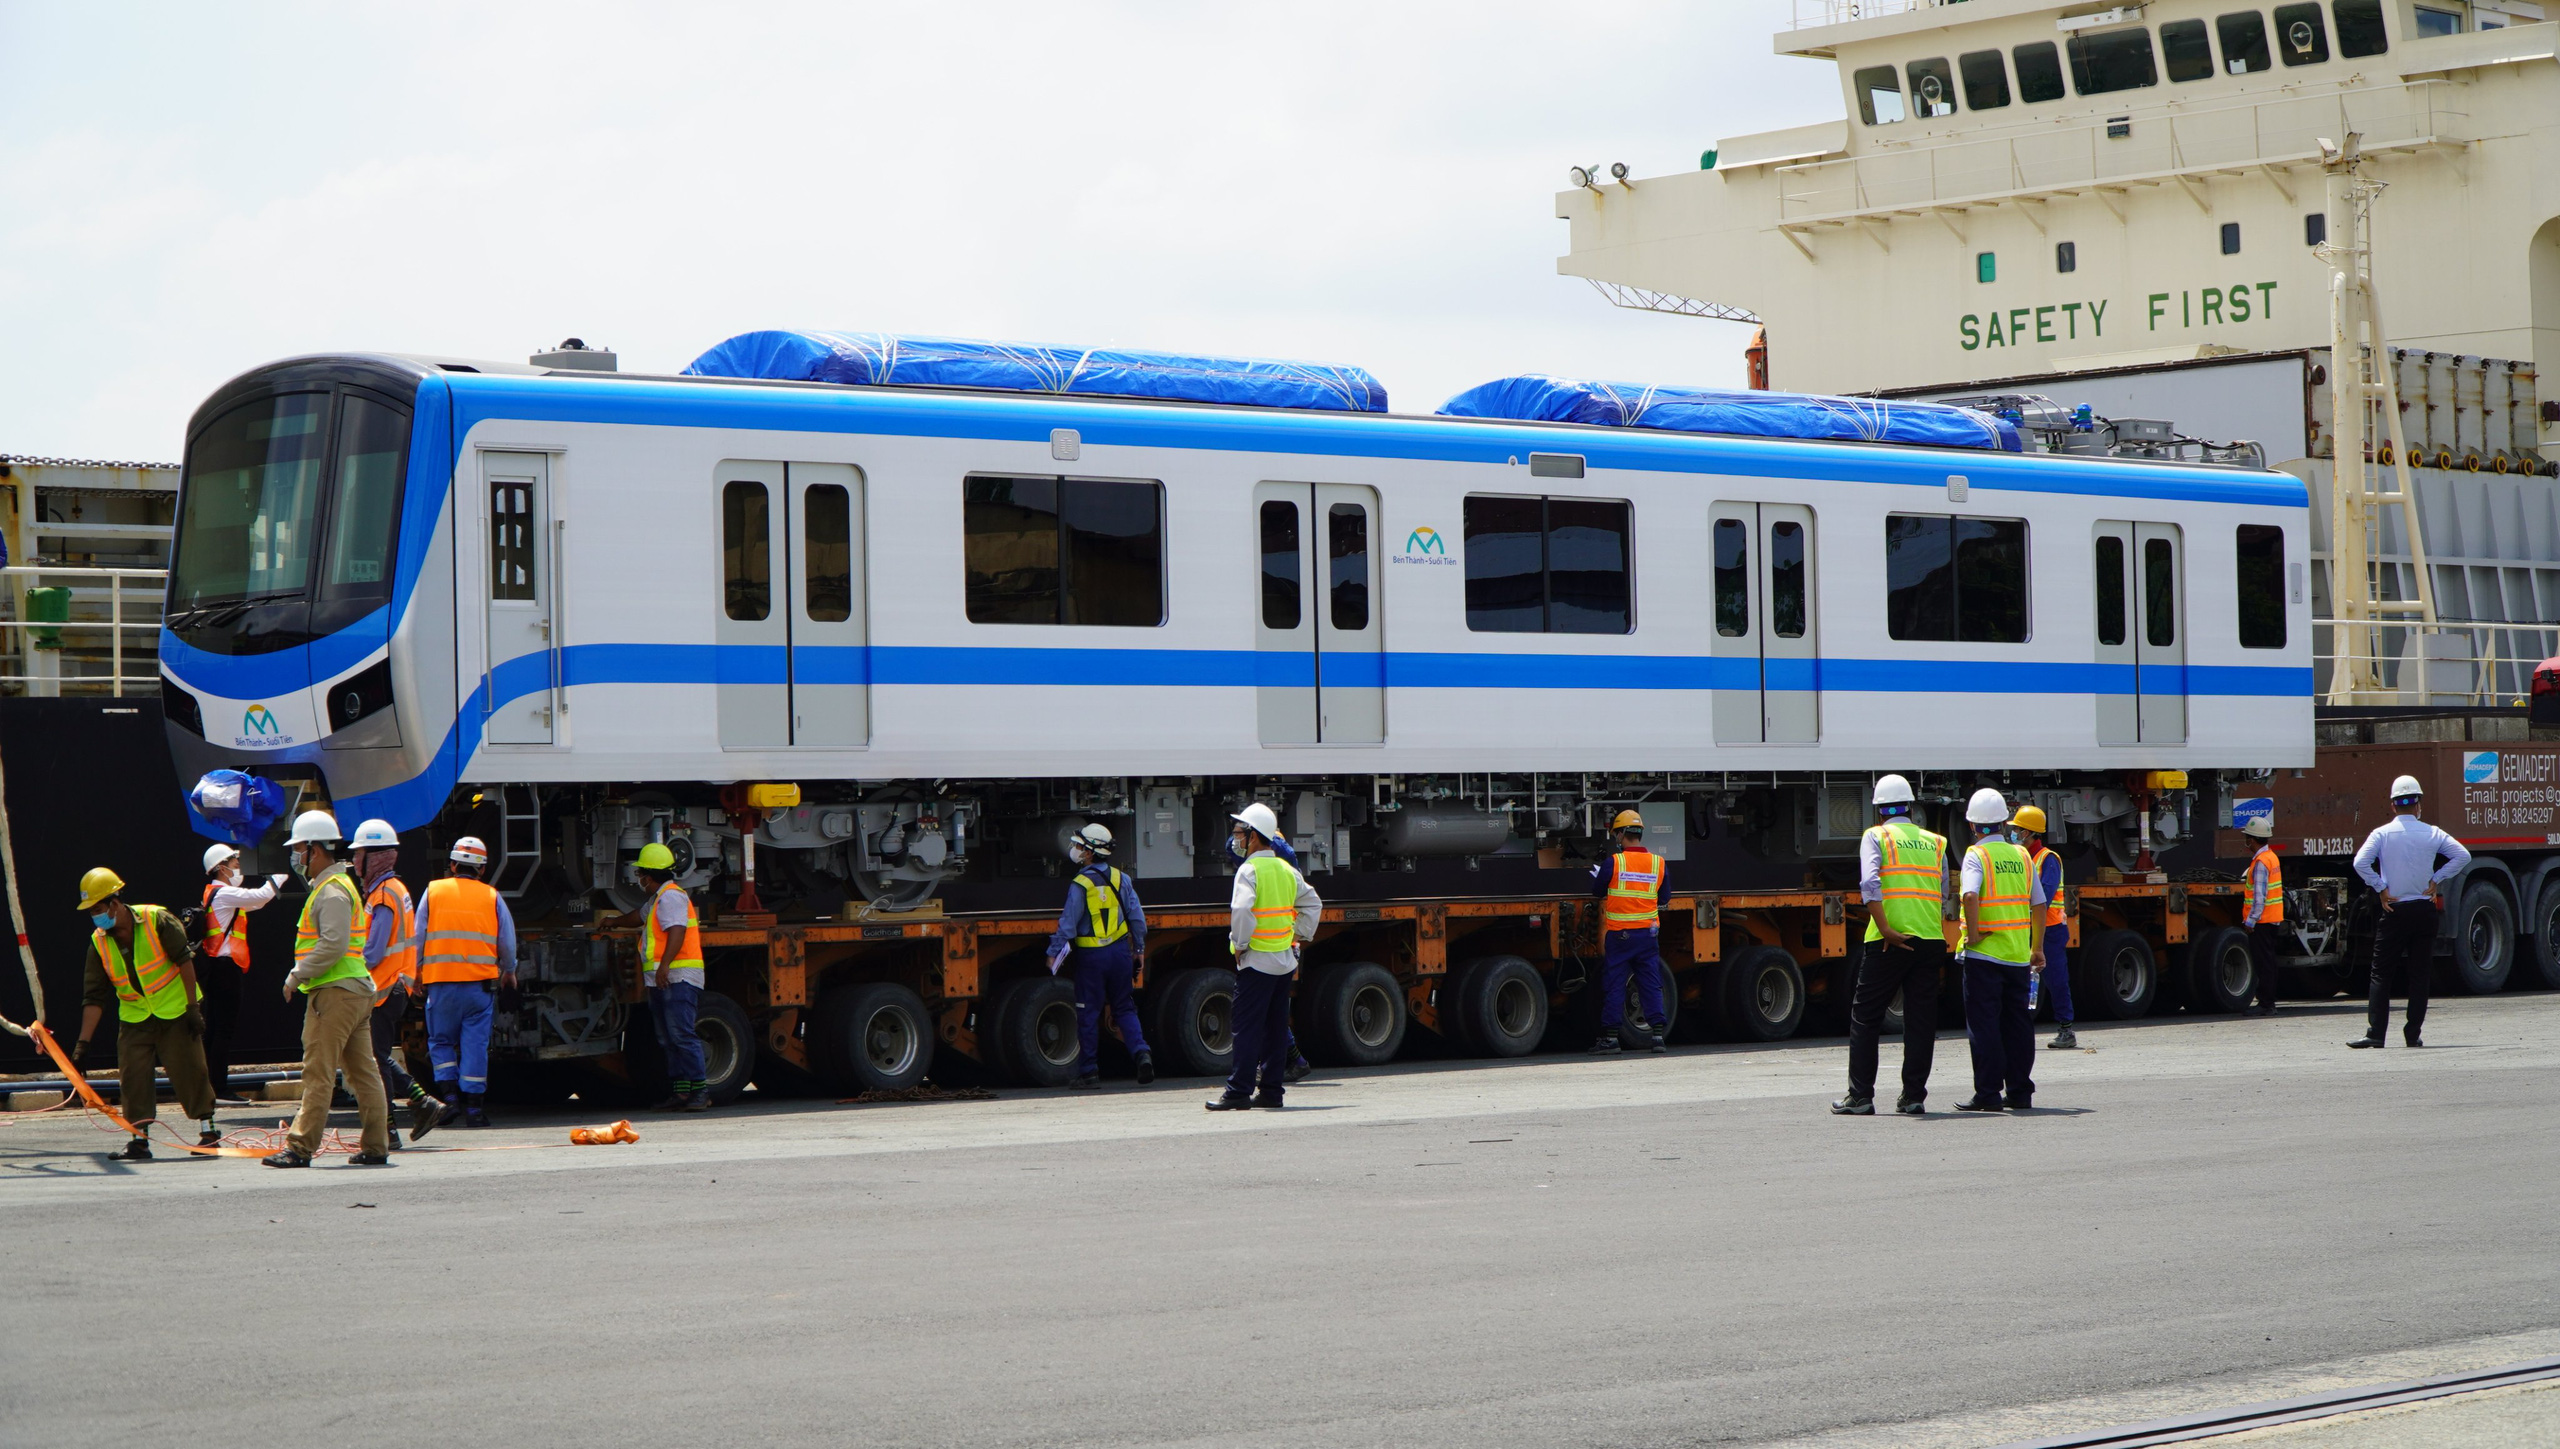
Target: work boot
[[1231, 1102], [1298, 1066], [451, 1094], [2369, 1039], [288, 1158], [698, 1100], [1268, 1102], [1854, 1105], [207, 1134], [1979, 1103], [2254, 1009], [2064, 1040], [369, 1159], [136, 1149], [673, 1101], [1656, 1037], [1090, 1080], [1606, 1043], [2409, 1034], [426, 1114], [392, 1135], [1911, 1107], [473, 1114], [1146, 1068]]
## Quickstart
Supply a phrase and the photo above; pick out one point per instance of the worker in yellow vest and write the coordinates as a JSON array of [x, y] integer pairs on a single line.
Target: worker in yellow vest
[[2029, 827], [671, 969], [466, 951], [2003, 950], [1102, 929], [141, 965], [1902, 878], [391, 954], [1270, 913], [2262, 910], [337, 991], [1629, 887]]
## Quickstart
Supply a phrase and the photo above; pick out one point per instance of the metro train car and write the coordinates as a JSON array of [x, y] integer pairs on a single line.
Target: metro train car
[[966, 598]]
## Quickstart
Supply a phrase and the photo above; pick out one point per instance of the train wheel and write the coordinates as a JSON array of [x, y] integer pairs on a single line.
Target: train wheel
[[873, 1037], [2484, 939], [1032, 1037], [1194, 1027], [728, 1047], [1502, 1006], [2222, 973], [2542, 964], [1355, 1015], [2118, 976], [1764, 995]]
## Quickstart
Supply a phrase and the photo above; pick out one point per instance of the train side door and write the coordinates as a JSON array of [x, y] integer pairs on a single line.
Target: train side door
[[1766, 649], [829, 671], [1284, 625], [519, 654], [753, 632], [2140, 648], [1320, 666], [1351, 671]]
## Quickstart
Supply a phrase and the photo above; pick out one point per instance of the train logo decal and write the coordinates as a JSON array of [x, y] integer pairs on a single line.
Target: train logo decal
[[1425, 546], [259, 730], [2480, 767]]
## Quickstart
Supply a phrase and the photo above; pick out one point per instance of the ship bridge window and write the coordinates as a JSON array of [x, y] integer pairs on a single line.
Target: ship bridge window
[[1986, 80], [2185, 52], [2360, 26], [1879, 95], [1064, 551], [1933, 88], [1954, 578], [2112, 60], [2431, 21], [2243, 34], [1548, 566], [2302, 34], [2039, 72]]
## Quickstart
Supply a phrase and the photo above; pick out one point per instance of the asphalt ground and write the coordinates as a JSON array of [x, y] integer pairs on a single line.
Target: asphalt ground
[[1683, 1249]]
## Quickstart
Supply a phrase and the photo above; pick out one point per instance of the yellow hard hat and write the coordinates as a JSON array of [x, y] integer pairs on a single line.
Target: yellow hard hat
[[654, 856], [1627, 820], [2029, 817], [99, 884]]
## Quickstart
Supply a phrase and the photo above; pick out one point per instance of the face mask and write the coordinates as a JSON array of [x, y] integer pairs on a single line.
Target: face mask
[[102, 920], [302, 864]]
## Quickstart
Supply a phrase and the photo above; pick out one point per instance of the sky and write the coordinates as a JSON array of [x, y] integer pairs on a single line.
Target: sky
[[195, 189]]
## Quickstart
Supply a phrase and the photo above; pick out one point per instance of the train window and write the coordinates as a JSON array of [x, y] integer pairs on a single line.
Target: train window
[[364, 508], [1733, 577], [1879, 95], [2261, 549], [1933, 88], [1986, 80], [2360, 27], [1064, 551], [826, 545], [2302, 34], [1786, 580], [2111, 60], [746, 550], [1347, 540], [1956, 578], [250, 500], [2159, 592], [1279, 565], [2243, 35], [2185, 51], [1548, 566], [2039, 72], [511, 540], [2111, 590]]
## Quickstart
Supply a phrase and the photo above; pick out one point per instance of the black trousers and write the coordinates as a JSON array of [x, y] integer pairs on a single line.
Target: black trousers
[[2406, 940], [2264, 938], [219, 981], [387, 1054], [1999, 1030], [1260, 1028], [1915, 971]]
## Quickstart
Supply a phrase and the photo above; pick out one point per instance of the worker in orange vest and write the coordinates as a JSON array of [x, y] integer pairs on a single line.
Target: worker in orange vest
[[228, 899], [391, 954], [1629, 887], [466, 951], [2262, 910]]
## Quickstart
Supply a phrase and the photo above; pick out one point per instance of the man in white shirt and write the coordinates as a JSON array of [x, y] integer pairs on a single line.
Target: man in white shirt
[[228, 899], [2399, 861], [1272, 912]]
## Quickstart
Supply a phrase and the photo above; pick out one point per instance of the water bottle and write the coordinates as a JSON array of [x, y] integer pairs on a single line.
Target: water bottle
[[2035, 985]]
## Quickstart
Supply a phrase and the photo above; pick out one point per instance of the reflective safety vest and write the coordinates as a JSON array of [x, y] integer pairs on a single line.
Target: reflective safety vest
[[1634, 900], [232, 941], [461, 939], [1913, 873], [307, 935], [2036, 857], [149, 985], [653, 937], [2004, 908], [400, 958], [1275, 904], [1104, 920], [2267, 894]]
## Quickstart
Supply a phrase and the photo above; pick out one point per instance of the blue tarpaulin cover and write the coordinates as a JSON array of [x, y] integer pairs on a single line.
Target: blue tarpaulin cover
[[233, 806], [888, 360], [1538, 398]]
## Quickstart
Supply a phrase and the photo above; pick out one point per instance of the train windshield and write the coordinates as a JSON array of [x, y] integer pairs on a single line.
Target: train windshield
[[252, 511]]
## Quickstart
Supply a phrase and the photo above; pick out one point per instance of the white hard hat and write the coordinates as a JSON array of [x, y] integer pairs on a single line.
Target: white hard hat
[[1257, 817], [470, 851], [2262, 827], [1094, 837], [314, 825], [1987, 807], [2406, 786], [216, 855], [1893, 790], [375, 835]]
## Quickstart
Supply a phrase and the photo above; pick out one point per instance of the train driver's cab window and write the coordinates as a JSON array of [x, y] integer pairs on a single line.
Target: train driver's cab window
[[2243, 35], [2039, 72], [1549, 566], [2186, 52], [1933, 88], [1986, 80], [2261, 550], [1064, 551], [2106, 61], [1879, 95], [2302, 34], [1955, 579], [2360, 27]]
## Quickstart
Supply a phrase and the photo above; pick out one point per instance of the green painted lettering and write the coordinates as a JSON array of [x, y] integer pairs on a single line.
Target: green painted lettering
[[2186, 309], [2211, 310], [1971, 327], [1994, 338], [2071, 317], [2267, 300], [2097, 319], [2239, 299], [2159, 301], [2044, 324], [2017, 326]]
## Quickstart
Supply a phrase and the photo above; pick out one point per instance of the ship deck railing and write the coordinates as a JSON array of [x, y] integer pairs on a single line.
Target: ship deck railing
[[122, 632]]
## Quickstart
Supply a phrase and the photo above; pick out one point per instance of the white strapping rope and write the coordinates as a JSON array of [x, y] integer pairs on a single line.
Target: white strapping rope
[[17, 916]]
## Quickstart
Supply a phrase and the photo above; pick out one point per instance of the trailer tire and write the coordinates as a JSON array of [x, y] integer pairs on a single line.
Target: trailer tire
[[2222, 972], [1193, 1022], [1501, 1006], [2541, 967], [2118, 976], [728, 1047], [873, 1037], [1355, 1015], [1578, 1025], [1763, 994], [1031, 1040], [2484, 939]]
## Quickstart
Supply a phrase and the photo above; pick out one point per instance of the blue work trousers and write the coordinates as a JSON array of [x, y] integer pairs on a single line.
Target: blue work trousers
[[1623, 952], [1102, 980], [459, 1014], [2057, 972], [673, 1008], [1260, 1024], [2002, 1036]]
